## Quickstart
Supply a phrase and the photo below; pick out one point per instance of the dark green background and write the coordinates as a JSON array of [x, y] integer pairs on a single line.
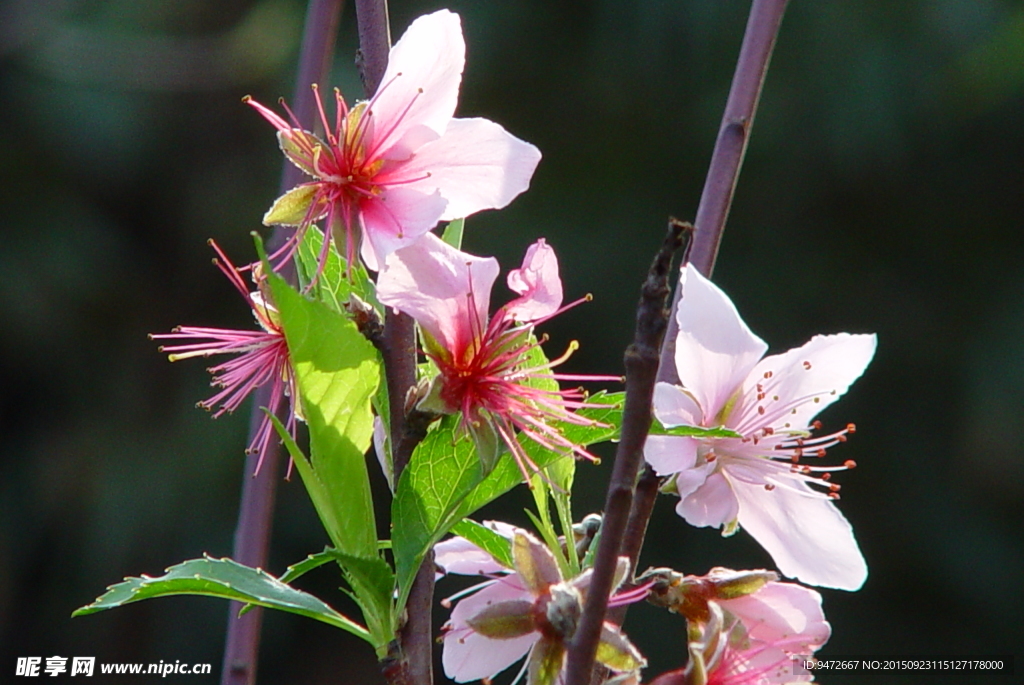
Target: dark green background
[[883, 191]]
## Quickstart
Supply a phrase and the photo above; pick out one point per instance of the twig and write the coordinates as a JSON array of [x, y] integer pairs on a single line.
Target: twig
[[641, 361], [723, 172], [252, 535], [412, 662]]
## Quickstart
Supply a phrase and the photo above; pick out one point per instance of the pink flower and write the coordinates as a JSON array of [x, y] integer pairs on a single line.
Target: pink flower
[[262, 358], [531, 611], [392, 167], [744, 628], [485, 367], [758, 481]]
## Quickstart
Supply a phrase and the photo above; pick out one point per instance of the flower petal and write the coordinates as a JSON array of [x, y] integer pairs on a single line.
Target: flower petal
[[712, 503], [395, 220], [459, 555], [432, 282], [670, 453], [815, 375], [715, 349], [476, 165], [786, 614], [420, 87], [537, 282], [675, 407], [806, 534], [469, 656]]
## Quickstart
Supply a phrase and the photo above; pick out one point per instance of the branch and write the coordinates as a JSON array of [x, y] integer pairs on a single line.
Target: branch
[[712, 212], [412, 659], [252, 535], [641, 361], [723, 173]]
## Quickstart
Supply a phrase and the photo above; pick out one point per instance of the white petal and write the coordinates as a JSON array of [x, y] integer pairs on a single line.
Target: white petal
[[714, 349], [431, 281], [670, 453], [713, 503], [814, 376], [476, 165], [807, 536], [674, 407], [420, 87], [469, 656], [783, 612], [459, 555]]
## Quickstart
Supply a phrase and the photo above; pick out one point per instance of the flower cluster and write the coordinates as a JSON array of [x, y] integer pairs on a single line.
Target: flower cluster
[[383, 174]]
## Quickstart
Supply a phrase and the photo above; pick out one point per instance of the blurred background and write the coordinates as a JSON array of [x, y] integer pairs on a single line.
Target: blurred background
[[883, 191]]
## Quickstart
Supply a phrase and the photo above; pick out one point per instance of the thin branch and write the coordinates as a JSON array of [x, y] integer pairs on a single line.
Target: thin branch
[[730, 147], [712, 212], [641, 361], [412, 659], [252, 535]]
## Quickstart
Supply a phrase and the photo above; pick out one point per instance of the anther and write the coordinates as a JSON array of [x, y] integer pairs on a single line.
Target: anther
[[834, 487], [767, 374], [820, 452], [769, 487], [851, 428], [816, 424], [760, 410], [833, 495], [807, 366], [850, 464]]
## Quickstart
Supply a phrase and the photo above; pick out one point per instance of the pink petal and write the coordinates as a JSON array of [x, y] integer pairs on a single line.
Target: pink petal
[[467, 655], [394, 220], [476, 165], [783, 612], [537, 282], [715, 350], [420, 88], [459, 555], [805, 533], [815, 375], [711, 503], [670, 453], [675, 407], [432, 282]]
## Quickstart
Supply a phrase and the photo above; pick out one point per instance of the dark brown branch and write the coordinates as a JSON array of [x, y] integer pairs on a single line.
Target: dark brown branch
[[641, 361], [252, 535]]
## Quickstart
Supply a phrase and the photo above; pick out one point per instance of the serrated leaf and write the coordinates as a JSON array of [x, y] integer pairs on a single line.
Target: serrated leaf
[[443, 469], [301, 568], [293, 208], [226, 579], [337, 372], [373, 584], [486, 539]]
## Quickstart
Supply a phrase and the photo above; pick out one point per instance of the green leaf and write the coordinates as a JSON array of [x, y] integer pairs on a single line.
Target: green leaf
[[453, 233], [335, 283], [693, 431], [337, 371], [486, 539], [443, 469], [373, 586], [226, 579], [311, 562]]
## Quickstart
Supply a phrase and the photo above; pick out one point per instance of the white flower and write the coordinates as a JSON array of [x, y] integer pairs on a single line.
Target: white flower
[[759, 481]]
